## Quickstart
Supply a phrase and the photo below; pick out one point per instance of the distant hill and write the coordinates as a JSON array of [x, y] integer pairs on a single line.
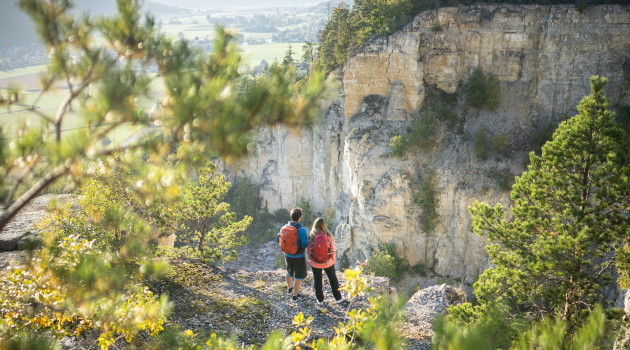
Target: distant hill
[[210, 4], [16, 28]]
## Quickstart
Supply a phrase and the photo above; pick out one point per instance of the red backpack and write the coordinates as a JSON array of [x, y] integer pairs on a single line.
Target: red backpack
[[288, 239], [320, 247]]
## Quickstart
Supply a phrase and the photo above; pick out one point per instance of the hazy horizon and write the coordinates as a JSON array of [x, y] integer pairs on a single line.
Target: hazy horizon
[[211, 4]]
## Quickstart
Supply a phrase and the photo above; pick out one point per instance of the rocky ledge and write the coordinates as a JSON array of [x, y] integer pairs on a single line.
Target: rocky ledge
[[22, 225]]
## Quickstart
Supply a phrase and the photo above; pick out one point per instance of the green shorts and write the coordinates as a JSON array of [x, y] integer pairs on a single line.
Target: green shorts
[[296, 267]]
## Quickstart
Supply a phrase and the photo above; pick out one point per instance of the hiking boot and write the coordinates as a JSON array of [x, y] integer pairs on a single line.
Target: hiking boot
[[296, 297], [319, 302], [340, 300], [290, 290]]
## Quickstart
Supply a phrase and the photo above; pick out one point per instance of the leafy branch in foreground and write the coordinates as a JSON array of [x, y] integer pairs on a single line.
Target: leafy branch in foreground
[[206, 110]]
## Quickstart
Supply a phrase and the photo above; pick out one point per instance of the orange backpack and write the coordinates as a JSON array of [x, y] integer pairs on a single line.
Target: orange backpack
[[288, 239]]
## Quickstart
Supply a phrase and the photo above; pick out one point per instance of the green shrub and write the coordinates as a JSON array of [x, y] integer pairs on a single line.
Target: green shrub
[[420, 270], [308, 216], [500, 144], [488, 327], [436, 28], [244, 198], [446, 115], [483, 92], [505, 179], [398, 145], [481, 143], [423, 131], [386, 262], [493, 93], [581, 6], [427, 199]]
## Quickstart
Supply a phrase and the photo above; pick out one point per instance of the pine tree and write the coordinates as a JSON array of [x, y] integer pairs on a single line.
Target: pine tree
[[209, 228], [570, 214], [205, 110]]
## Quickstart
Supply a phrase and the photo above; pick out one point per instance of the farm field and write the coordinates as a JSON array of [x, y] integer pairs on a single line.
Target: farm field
[[253, 54], [19, 114]]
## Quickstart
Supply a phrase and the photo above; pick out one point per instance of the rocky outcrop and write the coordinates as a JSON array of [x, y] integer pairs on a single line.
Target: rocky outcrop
[[23, 224], [421, 310], [542, 56]]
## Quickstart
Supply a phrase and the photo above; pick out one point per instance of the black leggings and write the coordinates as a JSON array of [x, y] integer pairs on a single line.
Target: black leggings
[[332, 278]]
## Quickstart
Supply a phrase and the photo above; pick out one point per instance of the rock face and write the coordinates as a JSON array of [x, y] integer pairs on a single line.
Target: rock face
[[542, 56]]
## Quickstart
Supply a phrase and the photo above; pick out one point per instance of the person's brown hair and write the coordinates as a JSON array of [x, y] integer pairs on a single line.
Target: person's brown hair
[[319, 225], [296, 214]]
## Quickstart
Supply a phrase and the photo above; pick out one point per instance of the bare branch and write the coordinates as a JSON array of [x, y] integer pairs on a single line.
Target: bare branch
[[9, 199], [25, 198]]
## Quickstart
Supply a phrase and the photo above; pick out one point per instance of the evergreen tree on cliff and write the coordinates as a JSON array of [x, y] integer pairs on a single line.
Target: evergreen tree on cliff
[[555, 252]]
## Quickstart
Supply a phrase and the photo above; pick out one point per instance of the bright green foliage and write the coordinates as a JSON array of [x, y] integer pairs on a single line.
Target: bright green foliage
[[209, 228], [113, 210], [398, 145], [356, 283], [70, 285], [496, 330], [386, 262], [483, 92], [209, 107], [427, 198], [570, 214]]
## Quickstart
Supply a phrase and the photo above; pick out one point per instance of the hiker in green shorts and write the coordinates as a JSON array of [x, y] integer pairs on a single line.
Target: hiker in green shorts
[[293, 240]]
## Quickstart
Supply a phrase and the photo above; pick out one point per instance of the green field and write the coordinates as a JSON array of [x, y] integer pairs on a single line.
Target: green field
[[15, 116], [21, 71], [253, 54]]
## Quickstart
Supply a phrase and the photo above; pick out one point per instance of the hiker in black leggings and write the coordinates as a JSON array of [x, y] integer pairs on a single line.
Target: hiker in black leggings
[[322, 257]]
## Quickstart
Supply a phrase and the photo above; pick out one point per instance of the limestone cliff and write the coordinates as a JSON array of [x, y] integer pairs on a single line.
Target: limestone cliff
[[543, 57]]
